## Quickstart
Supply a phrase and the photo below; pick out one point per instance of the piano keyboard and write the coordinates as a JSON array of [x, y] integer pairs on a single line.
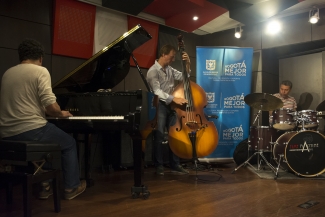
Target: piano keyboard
[[90, 118]]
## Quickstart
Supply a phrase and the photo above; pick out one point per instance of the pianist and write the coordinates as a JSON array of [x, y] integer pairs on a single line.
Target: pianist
[[26, 96]]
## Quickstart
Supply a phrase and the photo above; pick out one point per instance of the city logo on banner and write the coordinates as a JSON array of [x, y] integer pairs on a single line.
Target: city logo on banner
[[210, 97], [236, 101], [210, 65], [236, 69], [235, 133]]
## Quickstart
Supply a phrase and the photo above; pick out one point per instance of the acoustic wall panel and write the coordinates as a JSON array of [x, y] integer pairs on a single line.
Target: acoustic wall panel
[[146, 53], [108, 27], [133, 80], [38, 11], [73, 29], [15, 30], [62, 66]]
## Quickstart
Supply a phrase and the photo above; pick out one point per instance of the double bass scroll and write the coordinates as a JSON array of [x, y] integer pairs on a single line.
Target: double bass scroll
[[192, 136]]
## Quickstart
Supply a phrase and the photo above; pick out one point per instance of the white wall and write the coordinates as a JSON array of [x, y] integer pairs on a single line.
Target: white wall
[[305, 73]]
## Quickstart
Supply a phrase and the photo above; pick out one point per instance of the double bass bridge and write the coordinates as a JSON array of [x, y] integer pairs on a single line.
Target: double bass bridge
[[195, 126]]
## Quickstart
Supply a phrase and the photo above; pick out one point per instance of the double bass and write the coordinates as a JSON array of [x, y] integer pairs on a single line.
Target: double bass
[[150, 125], [192, 136]]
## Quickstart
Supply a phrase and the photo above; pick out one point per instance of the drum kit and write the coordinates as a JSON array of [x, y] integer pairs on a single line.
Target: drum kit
[[291, 139]]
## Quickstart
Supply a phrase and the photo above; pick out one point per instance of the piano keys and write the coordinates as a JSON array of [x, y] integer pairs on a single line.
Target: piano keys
[[97, 111], [102, 111]]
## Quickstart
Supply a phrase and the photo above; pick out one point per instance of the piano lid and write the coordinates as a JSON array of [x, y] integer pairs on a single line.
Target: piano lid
[[106, 68]]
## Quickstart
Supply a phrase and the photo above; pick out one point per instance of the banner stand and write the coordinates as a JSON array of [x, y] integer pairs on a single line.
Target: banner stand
[[225, 73]]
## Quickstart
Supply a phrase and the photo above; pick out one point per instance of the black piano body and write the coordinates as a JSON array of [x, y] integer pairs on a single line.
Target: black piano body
[[102, 111], [86, 93]]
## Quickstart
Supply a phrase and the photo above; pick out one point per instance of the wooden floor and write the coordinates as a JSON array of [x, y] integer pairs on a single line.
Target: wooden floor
[[217, 192]]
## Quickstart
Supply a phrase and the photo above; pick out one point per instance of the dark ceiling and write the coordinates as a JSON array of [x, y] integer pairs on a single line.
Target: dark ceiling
[[179, 13]]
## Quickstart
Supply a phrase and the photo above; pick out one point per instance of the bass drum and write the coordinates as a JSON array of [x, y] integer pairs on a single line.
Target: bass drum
[[302, 153]]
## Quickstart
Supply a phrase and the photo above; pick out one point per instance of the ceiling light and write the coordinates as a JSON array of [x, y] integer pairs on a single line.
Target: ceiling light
[[195, 18], [238, 32], [273, 27], [314, 15]]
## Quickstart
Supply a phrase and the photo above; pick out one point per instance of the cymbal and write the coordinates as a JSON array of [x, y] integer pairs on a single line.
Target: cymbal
[[321, 106], [263, 101]]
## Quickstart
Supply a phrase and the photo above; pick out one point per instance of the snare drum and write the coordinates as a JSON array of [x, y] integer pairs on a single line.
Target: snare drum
[[283, 120], [310, 118], [261, 138], [302, 152]]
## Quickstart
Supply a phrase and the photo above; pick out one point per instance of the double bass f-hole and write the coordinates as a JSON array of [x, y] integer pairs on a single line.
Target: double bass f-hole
[[193, 124]]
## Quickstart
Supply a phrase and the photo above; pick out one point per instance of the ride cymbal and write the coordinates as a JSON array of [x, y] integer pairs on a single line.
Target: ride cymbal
[[263, 101]]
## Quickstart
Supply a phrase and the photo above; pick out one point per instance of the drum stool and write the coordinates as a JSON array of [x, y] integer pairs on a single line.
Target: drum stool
[[21, 162]]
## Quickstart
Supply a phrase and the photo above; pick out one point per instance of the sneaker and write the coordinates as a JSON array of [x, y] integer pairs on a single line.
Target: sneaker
[[76, 191], [46, 191], [160, 170], [179, 169]]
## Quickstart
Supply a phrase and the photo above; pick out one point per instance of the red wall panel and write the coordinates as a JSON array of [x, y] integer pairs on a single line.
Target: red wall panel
[[146, 53], [73, 28]]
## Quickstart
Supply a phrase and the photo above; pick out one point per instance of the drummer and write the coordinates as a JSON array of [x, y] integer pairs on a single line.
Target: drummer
[[289, 102]]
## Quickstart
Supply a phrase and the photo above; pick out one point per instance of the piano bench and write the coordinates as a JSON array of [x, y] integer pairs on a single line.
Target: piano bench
[[21, 162]]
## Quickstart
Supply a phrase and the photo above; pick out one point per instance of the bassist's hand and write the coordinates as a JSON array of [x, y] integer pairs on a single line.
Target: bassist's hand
[[180, 101]]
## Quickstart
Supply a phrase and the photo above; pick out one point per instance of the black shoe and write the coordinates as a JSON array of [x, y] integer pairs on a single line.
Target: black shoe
[[179, 169], [160, 170], [46, 191]]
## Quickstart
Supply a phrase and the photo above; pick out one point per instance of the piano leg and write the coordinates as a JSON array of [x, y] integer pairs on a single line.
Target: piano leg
[[138, 187], [87, 142], [89, 180]]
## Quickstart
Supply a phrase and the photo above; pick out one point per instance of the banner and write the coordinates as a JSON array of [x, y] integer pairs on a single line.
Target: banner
[[225, 74]]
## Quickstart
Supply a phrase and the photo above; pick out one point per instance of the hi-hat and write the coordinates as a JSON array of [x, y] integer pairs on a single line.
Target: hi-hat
[[263, 101]]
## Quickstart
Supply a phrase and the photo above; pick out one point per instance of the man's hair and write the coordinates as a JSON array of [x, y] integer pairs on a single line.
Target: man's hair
[[30, 49], [287, 83], [164, 50]]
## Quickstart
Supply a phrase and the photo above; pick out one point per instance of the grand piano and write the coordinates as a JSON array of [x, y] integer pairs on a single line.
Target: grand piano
[[86, 93]]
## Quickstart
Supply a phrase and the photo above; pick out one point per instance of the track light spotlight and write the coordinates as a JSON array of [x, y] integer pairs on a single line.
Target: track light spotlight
[[314, 15], [238, 31], [273, 27]]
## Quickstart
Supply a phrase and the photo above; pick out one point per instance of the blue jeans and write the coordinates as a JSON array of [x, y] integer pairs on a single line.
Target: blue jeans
[[50, 133], [166, 117]]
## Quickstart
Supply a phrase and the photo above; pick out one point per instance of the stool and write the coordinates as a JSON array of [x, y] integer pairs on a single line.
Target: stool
[[19, 157]]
